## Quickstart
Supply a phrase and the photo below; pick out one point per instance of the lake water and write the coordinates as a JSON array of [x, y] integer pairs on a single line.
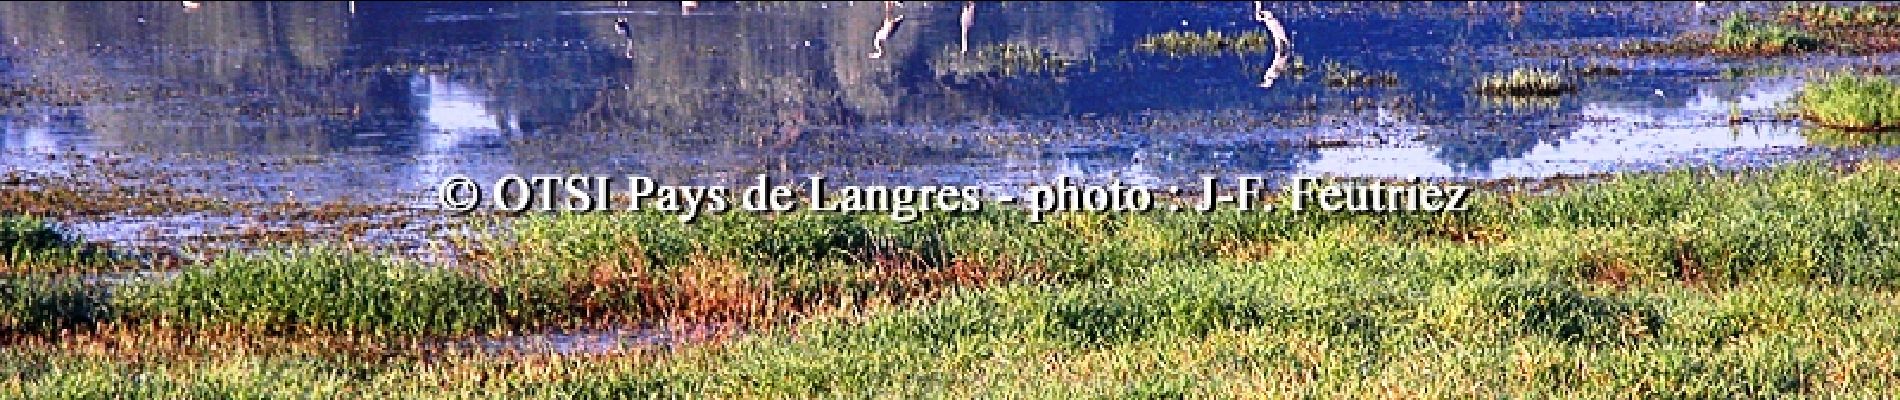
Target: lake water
[[379, 102]]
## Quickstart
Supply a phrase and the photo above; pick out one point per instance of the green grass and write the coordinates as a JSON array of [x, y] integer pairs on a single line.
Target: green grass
[[1852, 102], [739, 267], [317, 291], [1767, 283]]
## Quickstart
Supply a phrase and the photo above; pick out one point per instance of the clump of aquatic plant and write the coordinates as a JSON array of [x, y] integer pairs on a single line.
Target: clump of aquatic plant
[[1336, 74], [1005, 59], [1526, 82], [1741, 35], [1852, 103], [1206, 43]]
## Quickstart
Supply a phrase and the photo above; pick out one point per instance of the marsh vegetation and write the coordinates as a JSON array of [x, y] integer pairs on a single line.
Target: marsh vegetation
[[1644, 279], [1852, 102], [1782, 279]]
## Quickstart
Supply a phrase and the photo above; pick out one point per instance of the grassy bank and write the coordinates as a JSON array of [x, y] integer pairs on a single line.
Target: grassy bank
[[1766, 283]]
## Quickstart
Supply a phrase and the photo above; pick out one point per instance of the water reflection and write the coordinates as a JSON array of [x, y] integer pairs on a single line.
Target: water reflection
[[885, 30], [1282, 44], [1618, 135], [457, 125], [400, 95], [964, 21]]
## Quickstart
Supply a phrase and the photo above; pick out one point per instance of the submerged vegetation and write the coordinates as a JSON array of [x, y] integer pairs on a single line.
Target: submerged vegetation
[[1526, 82], [1852, 103], [1681, 284]]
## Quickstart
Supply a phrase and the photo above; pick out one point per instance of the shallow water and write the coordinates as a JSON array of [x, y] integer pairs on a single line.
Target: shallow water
[[266, 101]]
